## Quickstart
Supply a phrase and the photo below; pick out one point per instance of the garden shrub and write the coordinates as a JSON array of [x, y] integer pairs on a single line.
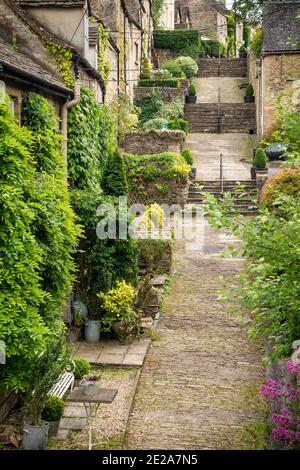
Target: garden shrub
[[160, 83], [174, 68], [188, 66], [179, 124], [188, 156], [90, 139], [161, 73], [117, 304], [285, 182], [155, 255], [171, 110], [256, 43], [113, 180], [82, 367], [155, 124], [213, 48], [260, 159], [54, 409], [185, 42], [149, 106], [249, 90]]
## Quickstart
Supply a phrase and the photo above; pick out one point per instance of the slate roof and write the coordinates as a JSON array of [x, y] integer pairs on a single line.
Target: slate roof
[[51, 3], [281, 28], [13, 61]]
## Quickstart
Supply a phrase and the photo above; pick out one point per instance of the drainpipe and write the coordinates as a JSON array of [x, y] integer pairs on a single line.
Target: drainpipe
[[64, 118]]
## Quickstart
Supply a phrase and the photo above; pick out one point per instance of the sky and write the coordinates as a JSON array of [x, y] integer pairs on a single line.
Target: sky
[[229, 3]]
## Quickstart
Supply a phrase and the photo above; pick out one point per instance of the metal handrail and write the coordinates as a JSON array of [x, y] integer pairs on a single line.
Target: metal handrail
[[221, 173], [219, 111]]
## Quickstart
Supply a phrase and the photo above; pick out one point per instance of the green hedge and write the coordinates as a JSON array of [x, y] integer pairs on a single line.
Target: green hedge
[[177, 39], [164, 83]]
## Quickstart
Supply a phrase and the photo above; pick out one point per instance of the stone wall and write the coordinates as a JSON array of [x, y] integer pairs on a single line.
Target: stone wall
[[161, 55], [140, 143], [167, 94], [279, 71]]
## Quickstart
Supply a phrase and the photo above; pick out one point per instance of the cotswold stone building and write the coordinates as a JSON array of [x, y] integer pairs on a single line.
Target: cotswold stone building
[[279, 64], [208, 16]]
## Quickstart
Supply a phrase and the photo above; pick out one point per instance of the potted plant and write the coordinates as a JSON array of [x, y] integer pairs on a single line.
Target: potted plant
[[192, 94], [75, 329], [52, 413], [249, 97], [259, 163], [119, 315], [44, 373], [82, 367], [243, 52], [92, 328]]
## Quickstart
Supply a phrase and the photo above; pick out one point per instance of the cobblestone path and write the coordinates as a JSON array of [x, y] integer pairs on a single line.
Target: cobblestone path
[[199, 384]]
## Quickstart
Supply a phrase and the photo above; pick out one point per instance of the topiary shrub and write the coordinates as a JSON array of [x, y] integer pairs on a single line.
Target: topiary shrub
[[54, 409], [113, 181], [174, 68], [188, 66], [285, 182], [249, 90], [192, 90], [260, 159], [179, 124], [82, 367], [188, 156], [161, 83]]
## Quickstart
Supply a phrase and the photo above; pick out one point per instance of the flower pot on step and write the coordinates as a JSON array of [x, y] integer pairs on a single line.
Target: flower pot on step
[[53, 428], [92, 331], [35, 437], [191, 99], [249, 99]]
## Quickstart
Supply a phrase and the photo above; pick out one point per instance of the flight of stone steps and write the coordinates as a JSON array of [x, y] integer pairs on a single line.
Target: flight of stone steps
[[242, 192], [235, 117], [224, 68]]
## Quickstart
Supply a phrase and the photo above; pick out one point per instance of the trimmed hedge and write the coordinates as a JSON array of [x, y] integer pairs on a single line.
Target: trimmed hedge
[[163, 83], [176, 39], [285, 182]]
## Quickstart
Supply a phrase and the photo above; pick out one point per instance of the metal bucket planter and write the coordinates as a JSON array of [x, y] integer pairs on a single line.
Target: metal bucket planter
[[92, 331], [53, 427], [249, 99], [191, 99], [35, 437]]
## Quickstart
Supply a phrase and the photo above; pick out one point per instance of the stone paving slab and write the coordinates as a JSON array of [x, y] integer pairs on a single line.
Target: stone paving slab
[[112, 353], [208, 89]]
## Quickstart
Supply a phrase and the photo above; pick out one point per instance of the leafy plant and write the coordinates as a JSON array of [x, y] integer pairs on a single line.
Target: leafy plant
[[53, 409], [249, 90], [179, 124], [113, 181], [155, 124], [185, 42], [125, 114], [214, 48], [260, 159], [117, 303], [256, 43], [146, 68], [188, 66], [285, 182], [171, 110], [161, 73], [82, 367], [192, 90], [160, 83], [173, 68], [149, 106], [188, 156]]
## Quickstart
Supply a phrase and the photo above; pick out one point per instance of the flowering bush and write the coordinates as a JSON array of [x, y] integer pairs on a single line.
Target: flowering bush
[[285, 399], [117, 303]]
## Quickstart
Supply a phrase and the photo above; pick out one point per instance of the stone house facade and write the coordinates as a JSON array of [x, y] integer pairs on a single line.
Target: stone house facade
[[208, 16], [279, 64], [167, 17]]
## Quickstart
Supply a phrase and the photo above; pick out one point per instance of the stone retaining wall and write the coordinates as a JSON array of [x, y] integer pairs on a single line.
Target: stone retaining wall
[[141, 143]]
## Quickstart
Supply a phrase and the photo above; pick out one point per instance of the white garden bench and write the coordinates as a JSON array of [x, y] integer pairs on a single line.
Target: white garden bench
[[65, 382]]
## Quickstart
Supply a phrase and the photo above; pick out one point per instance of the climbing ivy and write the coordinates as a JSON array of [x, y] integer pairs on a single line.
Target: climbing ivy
[[103, 63], [90, 139], [64, 60]]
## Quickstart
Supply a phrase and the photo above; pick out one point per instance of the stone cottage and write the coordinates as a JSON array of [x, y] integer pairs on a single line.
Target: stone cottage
[[279, 64], [208, 16]]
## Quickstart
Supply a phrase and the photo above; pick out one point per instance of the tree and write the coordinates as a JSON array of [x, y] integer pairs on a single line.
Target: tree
[[250, 11], [113, 181]]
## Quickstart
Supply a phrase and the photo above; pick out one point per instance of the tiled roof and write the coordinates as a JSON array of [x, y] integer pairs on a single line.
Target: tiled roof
[[11, 60], [281, 27], [51, 3], [93, 34]]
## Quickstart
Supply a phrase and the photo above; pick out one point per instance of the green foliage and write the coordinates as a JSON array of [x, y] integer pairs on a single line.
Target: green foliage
[[174, 68], [146, 68], [157, 9], [161, 73], [213, 48], [249, 90], [117, 304], [149, 106], [188, 66], [170, 110], [125, 114], [246, 35], [260, 159], [248, 10], [43, 374], [151, 252], [90, 140], [64, 60], [256, 43], [113, 181], [269, 287], [179, 124], [230, 32], [192, 90], [285, 182], [161, 83], [54, 409], [54, 226], [184, 42], [155, 124], [103, 63], [188, 156], [82, 367]]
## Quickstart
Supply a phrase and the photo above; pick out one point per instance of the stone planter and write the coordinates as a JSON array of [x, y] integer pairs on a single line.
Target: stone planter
[[249, 99], [258, 172], [191, 99], [92, 331]]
